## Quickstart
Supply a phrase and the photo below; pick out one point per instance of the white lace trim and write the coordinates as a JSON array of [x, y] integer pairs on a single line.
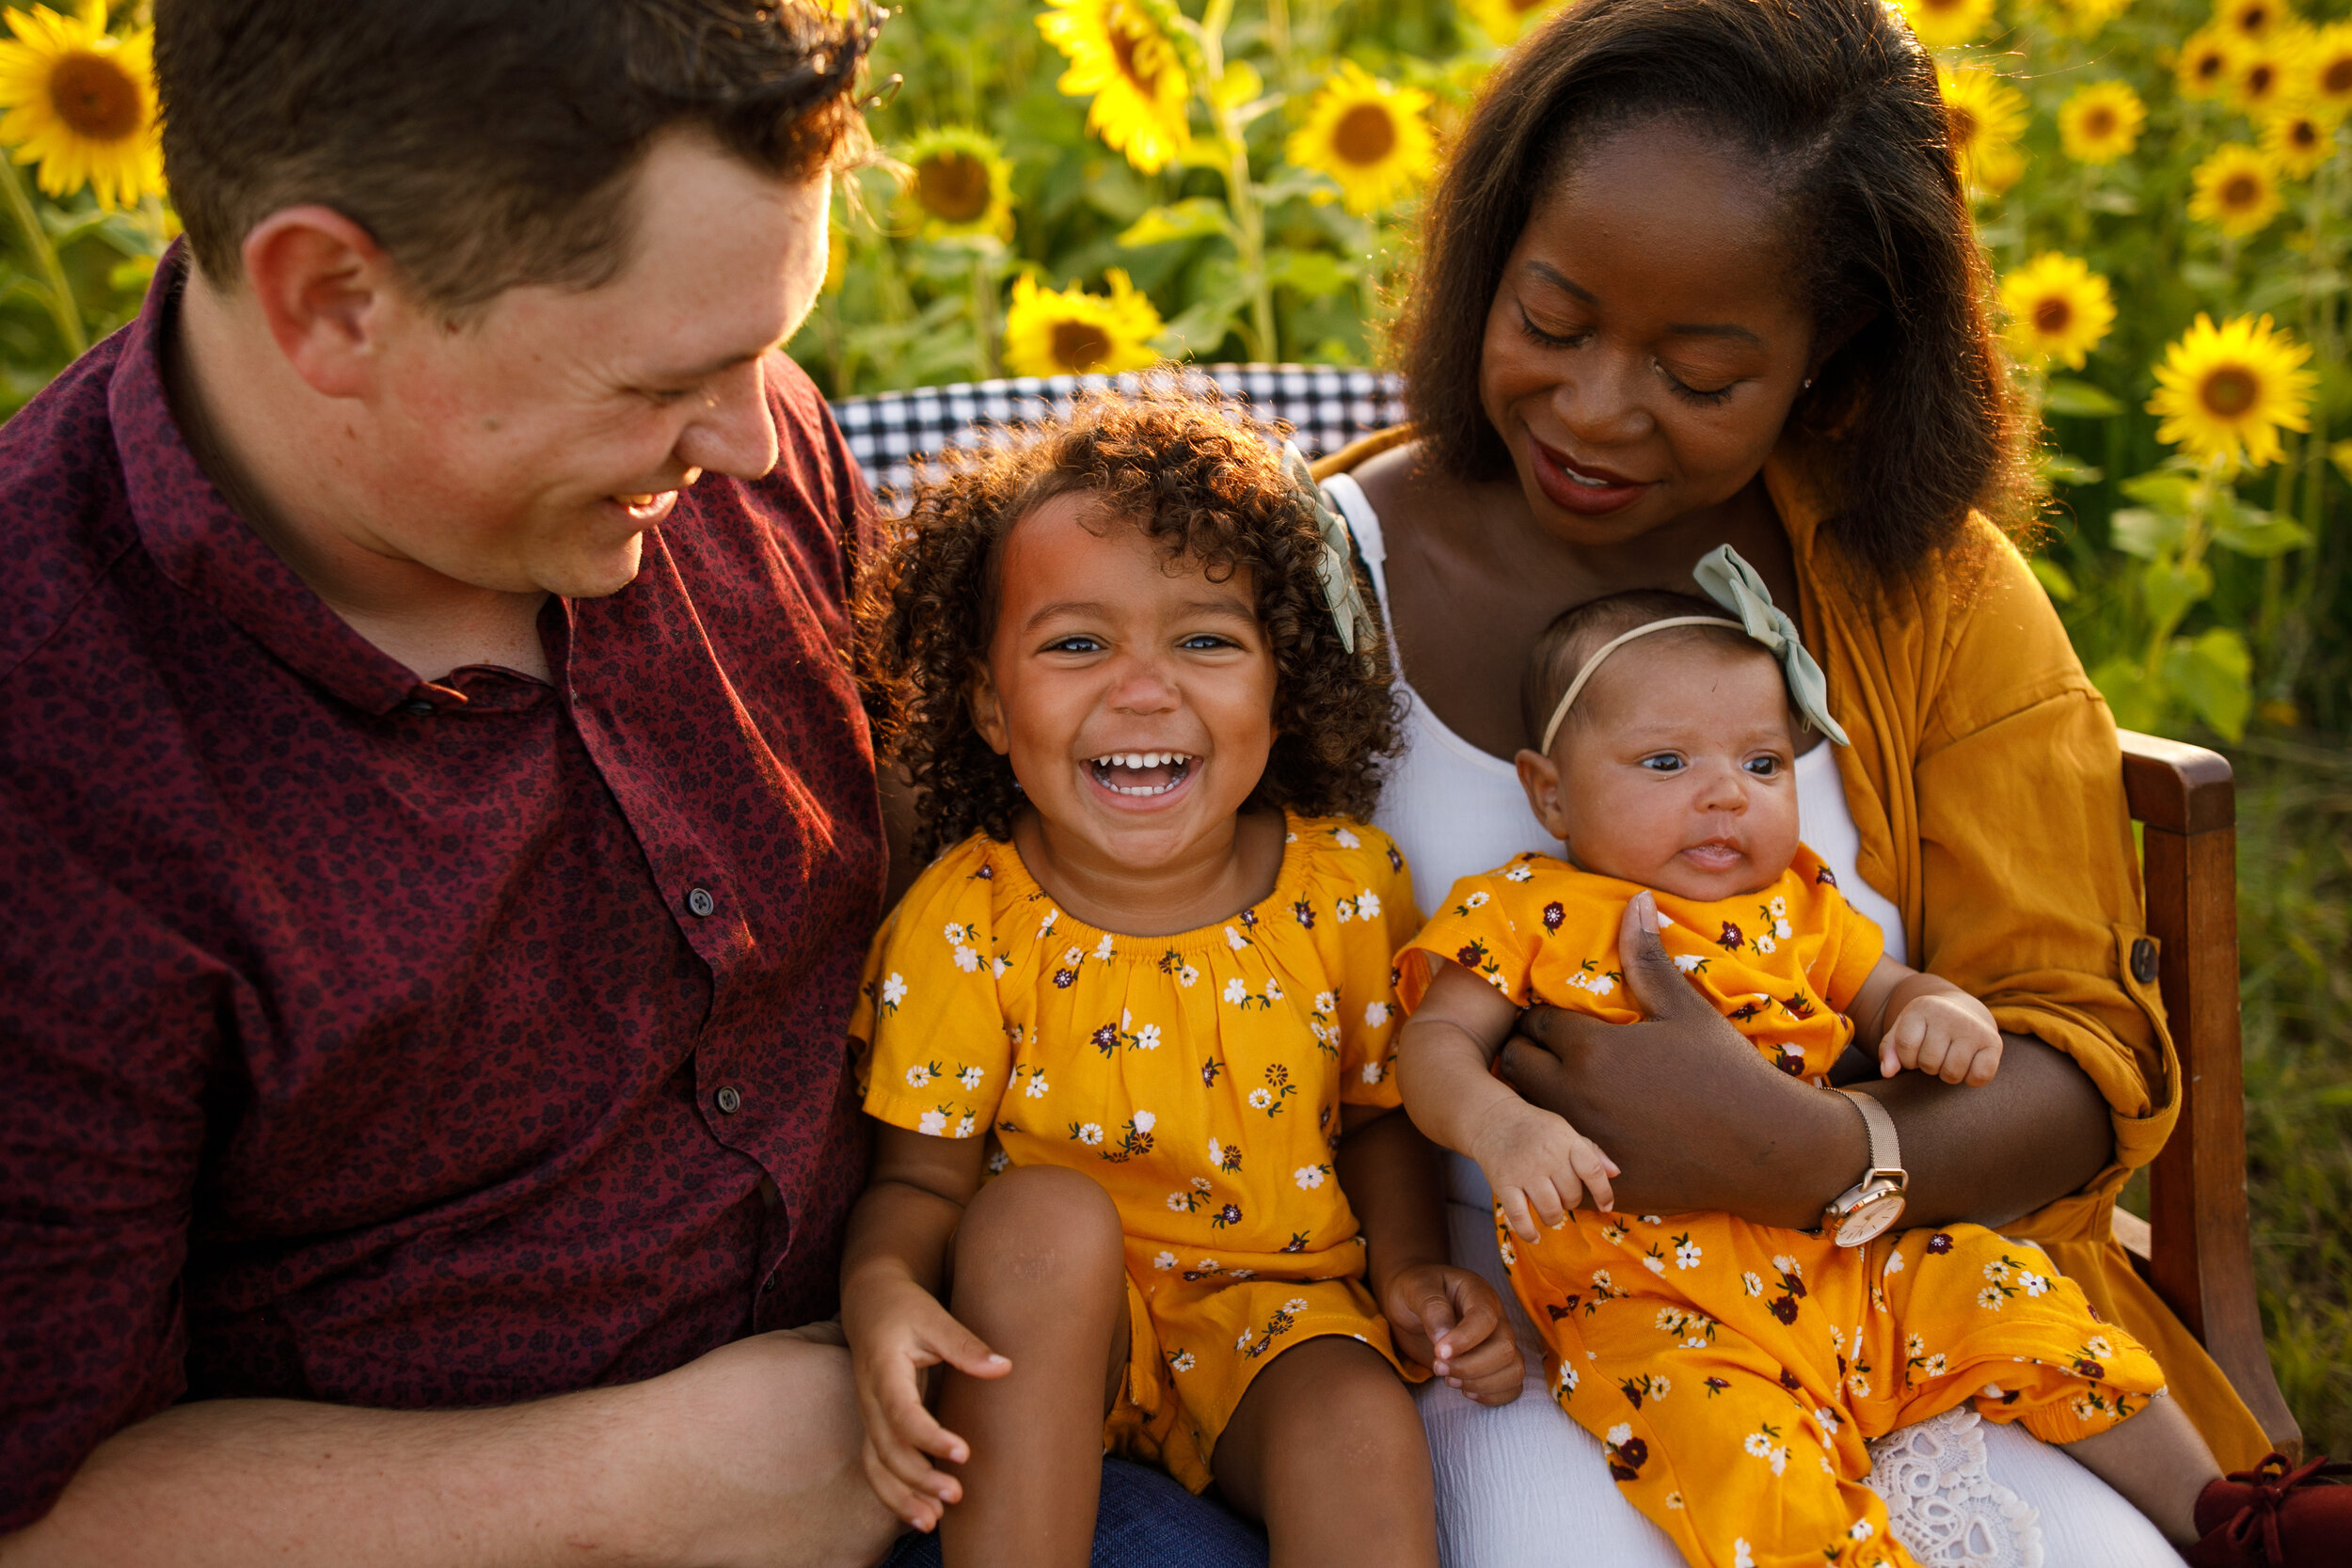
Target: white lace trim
[[1942, 1504]]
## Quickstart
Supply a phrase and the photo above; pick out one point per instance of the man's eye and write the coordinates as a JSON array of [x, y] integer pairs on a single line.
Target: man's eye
[[1664, 762]]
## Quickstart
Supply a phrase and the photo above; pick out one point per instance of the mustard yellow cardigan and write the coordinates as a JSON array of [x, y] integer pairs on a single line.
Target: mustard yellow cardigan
[[1987, 788]]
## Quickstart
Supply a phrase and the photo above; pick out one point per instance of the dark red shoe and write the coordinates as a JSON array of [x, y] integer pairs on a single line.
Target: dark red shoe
[[2274, 1516]]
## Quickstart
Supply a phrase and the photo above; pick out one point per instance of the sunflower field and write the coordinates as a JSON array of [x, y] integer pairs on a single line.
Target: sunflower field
[[1069, 185]]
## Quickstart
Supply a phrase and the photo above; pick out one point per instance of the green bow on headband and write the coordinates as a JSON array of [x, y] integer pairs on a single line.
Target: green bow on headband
[[1732, 583], [1336, 569]]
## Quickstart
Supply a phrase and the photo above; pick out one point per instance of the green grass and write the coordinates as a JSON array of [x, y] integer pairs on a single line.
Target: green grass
[[2295, 936]]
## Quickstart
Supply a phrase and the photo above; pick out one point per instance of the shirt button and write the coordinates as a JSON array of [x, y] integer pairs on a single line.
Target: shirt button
[[421, 706], [700, 901], [729, 1101], [2144, 960]]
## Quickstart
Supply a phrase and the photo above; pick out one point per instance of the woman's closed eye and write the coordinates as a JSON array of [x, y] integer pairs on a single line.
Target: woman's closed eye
[[1709, 396]]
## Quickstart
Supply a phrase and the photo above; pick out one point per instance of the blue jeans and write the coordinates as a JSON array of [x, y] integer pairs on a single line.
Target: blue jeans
[[1145, 1521]]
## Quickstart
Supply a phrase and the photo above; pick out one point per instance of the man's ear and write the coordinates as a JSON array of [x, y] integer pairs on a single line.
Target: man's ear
[[326, 291], [1540, 777], [987, 714]]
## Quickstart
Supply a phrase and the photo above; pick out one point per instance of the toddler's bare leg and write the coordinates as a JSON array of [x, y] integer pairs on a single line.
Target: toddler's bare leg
[[2159, 1463], [1040, 1273], [1328, 1450]]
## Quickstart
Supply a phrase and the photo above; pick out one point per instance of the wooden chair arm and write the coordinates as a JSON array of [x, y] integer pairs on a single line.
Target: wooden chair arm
[[2198, 1246]]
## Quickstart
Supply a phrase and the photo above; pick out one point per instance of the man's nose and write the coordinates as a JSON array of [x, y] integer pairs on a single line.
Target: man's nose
[[735, 431]]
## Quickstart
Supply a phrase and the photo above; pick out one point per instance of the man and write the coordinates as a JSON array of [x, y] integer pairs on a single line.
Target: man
[[439, 821]]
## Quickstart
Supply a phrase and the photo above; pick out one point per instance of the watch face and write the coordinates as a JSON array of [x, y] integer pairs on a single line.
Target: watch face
[[1870, 1218]]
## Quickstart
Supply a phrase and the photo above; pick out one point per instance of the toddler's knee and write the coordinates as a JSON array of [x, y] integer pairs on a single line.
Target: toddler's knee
[[1041, 1226]]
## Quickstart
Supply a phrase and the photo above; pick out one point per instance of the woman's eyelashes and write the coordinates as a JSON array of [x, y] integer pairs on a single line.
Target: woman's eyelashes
[[1706, 397]]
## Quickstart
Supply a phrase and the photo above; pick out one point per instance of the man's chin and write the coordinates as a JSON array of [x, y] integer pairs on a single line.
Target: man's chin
[[597, 576]]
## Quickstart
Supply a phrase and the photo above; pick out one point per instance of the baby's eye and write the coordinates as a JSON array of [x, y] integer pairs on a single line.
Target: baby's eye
[[1663, 762], [1764, 767]]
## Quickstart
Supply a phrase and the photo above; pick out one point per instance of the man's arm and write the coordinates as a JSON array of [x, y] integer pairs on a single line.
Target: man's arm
[[1697, 1119], [748, 1455]]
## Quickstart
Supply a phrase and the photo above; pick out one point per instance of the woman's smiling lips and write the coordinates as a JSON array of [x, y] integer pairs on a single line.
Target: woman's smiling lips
[[1578, 487]]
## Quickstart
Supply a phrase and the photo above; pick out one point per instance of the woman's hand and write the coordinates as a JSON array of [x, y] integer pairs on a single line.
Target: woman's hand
[[1686, 1107], [900, 1334], [1451, 1321], [1539, 1167]]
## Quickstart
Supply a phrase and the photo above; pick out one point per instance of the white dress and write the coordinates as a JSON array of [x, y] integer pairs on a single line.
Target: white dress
[[1521, 1485]]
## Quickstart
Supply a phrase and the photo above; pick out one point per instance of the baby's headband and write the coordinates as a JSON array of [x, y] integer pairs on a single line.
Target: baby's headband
[[1336, 568], [1732, 583]]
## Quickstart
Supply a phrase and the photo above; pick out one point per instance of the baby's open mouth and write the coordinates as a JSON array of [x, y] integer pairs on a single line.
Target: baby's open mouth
[[1141, 772]]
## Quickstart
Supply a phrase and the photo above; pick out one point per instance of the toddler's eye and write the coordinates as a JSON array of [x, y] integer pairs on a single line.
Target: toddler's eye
[[1074, 644], [1205, 640], [1663, 762]]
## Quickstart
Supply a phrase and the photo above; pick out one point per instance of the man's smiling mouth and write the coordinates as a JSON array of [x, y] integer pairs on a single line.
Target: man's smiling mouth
[[1141, 772]]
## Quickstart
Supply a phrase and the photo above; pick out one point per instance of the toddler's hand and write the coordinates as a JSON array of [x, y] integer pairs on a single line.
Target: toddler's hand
[[1451, 1321], [891, 1350], [1539, 1167], [1945, 1034]]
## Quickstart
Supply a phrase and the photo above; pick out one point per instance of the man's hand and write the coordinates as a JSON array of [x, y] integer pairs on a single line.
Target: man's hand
[[1451, 1321], [1539, 1167], [899, 1340], [1945, 1034]]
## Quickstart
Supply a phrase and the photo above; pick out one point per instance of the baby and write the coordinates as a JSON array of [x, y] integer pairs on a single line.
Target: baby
[[1735, 1371], [1147, 986]]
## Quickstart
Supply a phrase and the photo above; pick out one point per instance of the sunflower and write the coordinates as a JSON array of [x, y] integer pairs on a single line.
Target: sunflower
[[958, 184], [1370, 138], [2324, 79], [2207, 61], [2100, 123], [1983, 116], [2237, 190], [1940, 24], [81, 103], [2059, 310], [1070, 332], [1117, 54], [2298, 141], [2087, 19], [2226, 391], [1506, 19], [2259, 77], [2251, 20]]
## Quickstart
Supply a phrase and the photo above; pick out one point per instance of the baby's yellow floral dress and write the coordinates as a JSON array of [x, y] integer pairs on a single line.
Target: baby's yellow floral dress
[[1734, 1371], [1199, 1078]]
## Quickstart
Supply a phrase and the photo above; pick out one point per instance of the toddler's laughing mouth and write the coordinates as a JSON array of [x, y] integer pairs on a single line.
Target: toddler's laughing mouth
[[1141, 774]]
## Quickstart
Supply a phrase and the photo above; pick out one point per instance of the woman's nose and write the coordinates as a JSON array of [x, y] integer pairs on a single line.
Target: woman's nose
[[1599, 399]]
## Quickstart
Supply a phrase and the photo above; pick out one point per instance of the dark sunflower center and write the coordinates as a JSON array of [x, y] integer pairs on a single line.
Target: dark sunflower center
[[952, 185], [2304, 135], [2211, 64], [1079, 347], [1520, 7], [2099, 121], [1126, 42], [2240, 191], [2053, 316], [1364, 136], [2228, 393], [2259, 79], [2252, 19], [94, 96], [2337, 79]]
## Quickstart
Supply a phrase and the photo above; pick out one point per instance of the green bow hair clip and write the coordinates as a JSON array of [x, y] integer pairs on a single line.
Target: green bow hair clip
[[1336, 569], [1732, 583]]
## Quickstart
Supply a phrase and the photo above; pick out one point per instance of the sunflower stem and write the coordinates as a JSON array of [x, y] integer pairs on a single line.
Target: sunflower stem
[[63, 307], [1241, 191]]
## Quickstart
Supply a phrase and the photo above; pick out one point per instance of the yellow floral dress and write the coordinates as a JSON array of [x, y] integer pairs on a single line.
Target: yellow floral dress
[[1733, 1371], [1199, 1078]]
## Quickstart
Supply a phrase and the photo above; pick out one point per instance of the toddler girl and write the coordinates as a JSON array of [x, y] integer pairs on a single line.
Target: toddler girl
[[1148, 983], [1735, 1371]]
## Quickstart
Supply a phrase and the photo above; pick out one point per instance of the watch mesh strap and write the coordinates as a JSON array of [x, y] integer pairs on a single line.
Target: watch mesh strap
[[1885, 1152]]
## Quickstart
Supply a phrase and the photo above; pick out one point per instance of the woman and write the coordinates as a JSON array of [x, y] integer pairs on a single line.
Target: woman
[[1700, 273]]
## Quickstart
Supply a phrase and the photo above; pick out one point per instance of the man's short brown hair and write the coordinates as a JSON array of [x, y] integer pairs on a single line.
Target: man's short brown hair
[[485, 143]]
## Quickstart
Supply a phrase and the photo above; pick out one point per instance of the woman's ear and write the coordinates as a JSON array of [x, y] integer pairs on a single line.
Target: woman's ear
[[1540, 777], [987, 714]]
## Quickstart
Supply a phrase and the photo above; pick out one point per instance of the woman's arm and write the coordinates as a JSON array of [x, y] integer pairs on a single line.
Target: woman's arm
[[1696, 1119]]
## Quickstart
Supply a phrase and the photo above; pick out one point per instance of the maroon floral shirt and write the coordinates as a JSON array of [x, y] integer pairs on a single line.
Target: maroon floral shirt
[[400, 1044]]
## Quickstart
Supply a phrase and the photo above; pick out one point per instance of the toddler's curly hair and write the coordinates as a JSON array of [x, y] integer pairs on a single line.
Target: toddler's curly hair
[[1201, 486]]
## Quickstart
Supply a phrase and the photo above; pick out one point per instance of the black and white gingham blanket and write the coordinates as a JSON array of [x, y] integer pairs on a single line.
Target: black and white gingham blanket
[[1325, 405]]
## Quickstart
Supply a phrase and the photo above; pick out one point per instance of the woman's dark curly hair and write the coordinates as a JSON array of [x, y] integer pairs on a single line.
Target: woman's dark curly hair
[[1203, 487], [1913, 420]]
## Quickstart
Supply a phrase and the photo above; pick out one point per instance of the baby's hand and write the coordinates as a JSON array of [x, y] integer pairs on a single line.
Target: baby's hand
[[1945, 1034], [1539, 1167], [890, 1350], [1451, 1321]]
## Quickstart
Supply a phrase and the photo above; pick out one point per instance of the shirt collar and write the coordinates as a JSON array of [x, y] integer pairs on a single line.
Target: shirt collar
[[198, 540]]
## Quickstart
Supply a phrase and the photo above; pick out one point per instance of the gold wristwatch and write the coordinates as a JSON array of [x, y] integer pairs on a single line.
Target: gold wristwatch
[[1870, 1208]]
